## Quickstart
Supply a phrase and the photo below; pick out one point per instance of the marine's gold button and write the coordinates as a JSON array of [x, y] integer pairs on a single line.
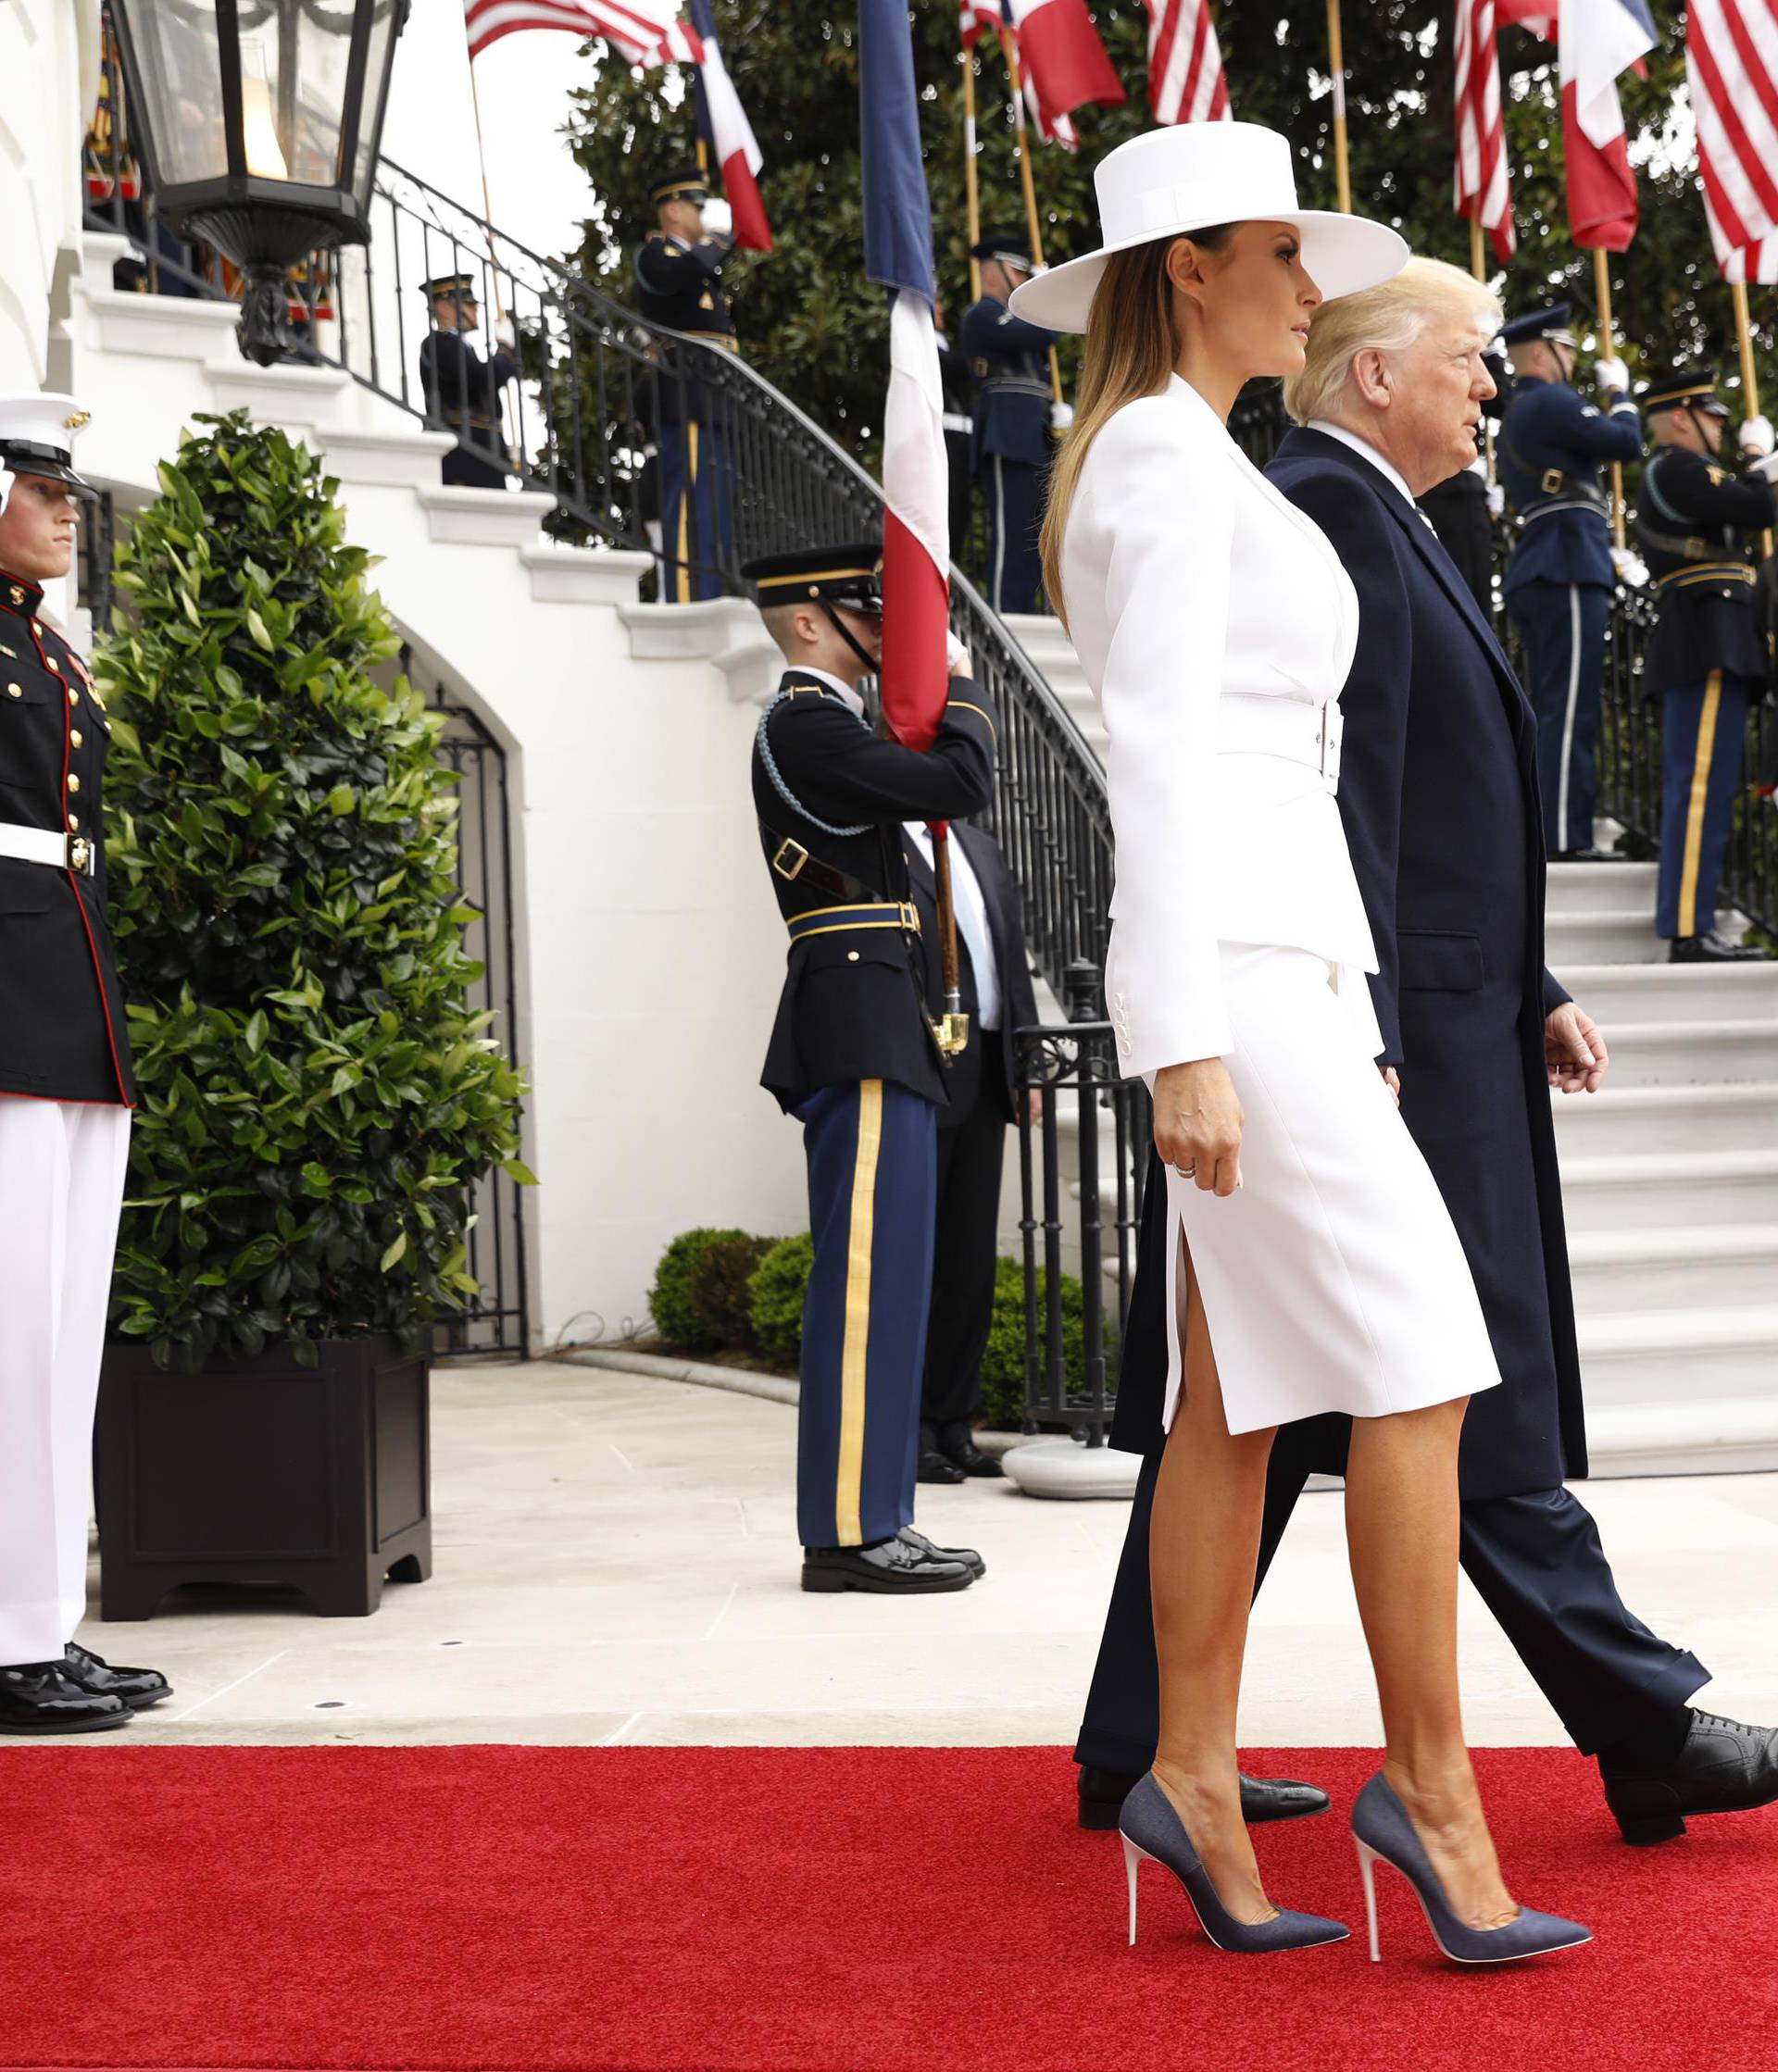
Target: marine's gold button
[[851, 957], [73, 695], [73, 819], [18, 595], [15, 690], [73, 781], [53, 663], [78, 738]]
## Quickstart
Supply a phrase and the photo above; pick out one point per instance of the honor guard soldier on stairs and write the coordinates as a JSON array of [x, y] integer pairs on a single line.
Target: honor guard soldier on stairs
[[65, 1092], [1706, 660], [854, 1056], [679, 284], [462, 389], [1559, 581], [1009, 361]]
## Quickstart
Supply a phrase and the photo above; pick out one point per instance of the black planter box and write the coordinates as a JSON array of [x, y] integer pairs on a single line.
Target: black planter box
[[261, 1471]]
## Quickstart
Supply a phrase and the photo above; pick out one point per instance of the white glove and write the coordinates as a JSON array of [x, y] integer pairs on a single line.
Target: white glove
[[506, 337], [1613, 377], [1755, 438], [1061, 415], [957, 656], [1632, 570], [719, 218], [7, 479], [1496, 500], [1767, 467]]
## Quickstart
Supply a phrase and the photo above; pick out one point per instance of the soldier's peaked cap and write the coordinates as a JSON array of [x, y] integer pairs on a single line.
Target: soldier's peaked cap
[[1685, 386], [684, 183], [1003, 244], [462, 285], [1551, 323], [37, 437], [851, 575]]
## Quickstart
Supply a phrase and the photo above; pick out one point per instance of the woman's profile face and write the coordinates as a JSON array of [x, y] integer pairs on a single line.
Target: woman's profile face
[[1254, 297]]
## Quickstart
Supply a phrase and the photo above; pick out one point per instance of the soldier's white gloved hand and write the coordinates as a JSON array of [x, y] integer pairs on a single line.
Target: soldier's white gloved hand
[[7, 479], [1061, 415], [957, 656], [1632, 570], [1496, 500], [719, 218], [1756, 437], [506, 337], [1613, 376], [1766, 465]]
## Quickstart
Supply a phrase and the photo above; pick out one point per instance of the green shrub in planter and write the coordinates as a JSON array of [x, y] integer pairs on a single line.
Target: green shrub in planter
[[775, 1298], [317, 1098], [670, 1301], [721, 1278], [1002, 1364]]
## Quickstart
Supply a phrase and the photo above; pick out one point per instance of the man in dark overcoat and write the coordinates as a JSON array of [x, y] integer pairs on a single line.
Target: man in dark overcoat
[[1438, 793]]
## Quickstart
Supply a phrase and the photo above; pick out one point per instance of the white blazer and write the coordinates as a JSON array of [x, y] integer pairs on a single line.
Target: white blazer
[[1187, 575]]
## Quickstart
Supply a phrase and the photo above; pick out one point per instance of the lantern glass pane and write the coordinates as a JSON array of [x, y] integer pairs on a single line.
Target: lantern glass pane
[[383, 27], [176, 43], [294, 57]]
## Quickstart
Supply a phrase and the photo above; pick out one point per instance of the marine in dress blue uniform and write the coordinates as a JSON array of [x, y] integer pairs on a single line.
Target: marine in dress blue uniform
[[1696, 523], [853, 1058], [1008, 360], [65, 1092], [678, 283], [1552, 449], [462, 389]]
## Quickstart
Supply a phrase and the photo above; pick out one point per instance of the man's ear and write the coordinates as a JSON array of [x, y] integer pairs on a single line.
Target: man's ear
[[808, 625], [1371, 371]]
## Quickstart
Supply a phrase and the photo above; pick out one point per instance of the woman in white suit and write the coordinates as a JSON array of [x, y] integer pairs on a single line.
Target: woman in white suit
[[1314, 1263]]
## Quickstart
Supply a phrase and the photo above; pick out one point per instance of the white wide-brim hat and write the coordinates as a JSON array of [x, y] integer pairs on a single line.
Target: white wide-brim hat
[[1166, 182]]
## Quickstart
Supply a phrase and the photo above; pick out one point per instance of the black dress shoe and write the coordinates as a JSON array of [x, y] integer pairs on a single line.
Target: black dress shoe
[[1723, 1768], [934, 1467], [892, 1569], [1712, 948], [1588, 855], [139, 1688], [37, 1698], [1102, 1794], [959, 1447], [966, 1555]]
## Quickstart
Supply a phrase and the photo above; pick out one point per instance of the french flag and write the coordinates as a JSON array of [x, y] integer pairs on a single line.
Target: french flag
[[723, 125], [898, 256], [1597, 40], [1063, 58]]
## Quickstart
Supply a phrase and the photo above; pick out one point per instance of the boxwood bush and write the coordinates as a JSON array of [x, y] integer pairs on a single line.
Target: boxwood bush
[[775, 1298], [671, 1303], [316, 1099]]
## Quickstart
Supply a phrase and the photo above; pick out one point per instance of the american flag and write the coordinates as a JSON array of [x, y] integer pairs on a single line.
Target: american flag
[[979, 18], [1186, 81], [1732, 67], [1482, 187], [644, 32]]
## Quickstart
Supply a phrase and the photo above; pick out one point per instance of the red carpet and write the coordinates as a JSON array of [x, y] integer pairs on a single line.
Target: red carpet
[[787, 1910]]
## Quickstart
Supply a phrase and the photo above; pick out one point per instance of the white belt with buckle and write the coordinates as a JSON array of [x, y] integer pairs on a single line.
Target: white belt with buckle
[[42, 845], [1249, 723]]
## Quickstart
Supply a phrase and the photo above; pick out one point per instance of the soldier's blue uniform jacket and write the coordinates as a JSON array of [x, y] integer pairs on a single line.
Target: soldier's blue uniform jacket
[[1010, 360], [679, 285], [1552, 451]]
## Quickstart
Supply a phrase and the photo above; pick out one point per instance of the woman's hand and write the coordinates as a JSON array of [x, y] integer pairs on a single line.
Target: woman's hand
[[1198, 1120]]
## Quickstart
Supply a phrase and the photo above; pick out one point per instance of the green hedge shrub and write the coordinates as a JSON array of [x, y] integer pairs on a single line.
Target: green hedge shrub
[[1002, 1364], [317, 1100], [775, 1298], [671, 1303], [720, 1289]]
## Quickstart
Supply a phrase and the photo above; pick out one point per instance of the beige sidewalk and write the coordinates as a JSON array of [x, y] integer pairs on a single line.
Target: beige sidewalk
[[615, 1560]]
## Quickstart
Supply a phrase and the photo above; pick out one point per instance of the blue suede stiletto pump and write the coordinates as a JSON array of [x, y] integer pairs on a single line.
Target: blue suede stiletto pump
[[1382, 1830], [1152, 1831]]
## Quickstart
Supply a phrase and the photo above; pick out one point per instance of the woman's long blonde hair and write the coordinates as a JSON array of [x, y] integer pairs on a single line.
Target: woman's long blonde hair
[[1133, 345]]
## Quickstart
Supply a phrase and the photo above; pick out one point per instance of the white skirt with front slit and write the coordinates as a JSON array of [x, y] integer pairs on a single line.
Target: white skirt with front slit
[[1333, 1281]]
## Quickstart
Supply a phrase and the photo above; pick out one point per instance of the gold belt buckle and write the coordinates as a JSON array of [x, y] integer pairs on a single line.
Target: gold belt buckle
[[909, 915], [1553, 480], [80, 854], [784, 847]]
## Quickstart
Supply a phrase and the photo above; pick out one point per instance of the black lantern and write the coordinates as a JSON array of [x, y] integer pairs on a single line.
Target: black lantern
[[258, 123]]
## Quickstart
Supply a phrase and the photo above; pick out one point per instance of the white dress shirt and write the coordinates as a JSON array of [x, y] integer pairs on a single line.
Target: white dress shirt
[[971, 921]]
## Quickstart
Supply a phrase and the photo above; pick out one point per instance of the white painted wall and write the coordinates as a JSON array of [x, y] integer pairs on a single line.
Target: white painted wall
[[49, 63]]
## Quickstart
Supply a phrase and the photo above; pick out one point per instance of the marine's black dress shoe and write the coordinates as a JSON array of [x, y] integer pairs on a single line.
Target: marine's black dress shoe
[[966, 1555], [1102, 1794], [896, 1568], [139, 1688], [1712, 948], [957, 1443], [1723, 1768], [37, 1698], [934, 1467]]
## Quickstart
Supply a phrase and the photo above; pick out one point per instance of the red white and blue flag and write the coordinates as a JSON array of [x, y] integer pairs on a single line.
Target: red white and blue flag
[[898, 256], [1732, 64], [1062, 58], [1483, 189], [1597, 40], [1186, 81], [722, 123], [645, 33]]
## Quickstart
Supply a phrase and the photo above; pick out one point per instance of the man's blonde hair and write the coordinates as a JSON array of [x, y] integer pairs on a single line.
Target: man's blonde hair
[[1386, 318]]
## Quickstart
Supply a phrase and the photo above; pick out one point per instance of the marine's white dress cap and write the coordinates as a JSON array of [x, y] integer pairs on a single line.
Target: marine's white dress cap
[[1192, 175], [37, 438]]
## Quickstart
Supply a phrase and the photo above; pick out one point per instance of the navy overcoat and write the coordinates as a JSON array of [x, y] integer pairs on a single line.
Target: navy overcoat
[[1438, 793]]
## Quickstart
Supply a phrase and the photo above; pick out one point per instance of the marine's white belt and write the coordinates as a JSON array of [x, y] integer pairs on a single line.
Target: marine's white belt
[[43, 845], [1249, 723]]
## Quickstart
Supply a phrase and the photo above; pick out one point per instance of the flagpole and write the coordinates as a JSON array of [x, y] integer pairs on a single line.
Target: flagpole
[[1010, 52], [1602, 290], [1479, 266], [971, 195], [488, 200], [1750, 373], [1337, 64]]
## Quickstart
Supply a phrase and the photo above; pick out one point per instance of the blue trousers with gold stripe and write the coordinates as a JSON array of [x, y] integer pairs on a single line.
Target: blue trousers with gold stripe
[[1703, 743], [694, 513], [872, 1172], [1564, 629]]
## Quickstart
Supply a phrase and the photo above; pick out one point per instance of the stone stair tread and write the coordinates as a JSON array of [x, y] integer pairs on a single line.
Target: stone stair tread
[[1739, 1094], [1677, 1243], [1637, 1168], [1678, 1330], [1677, 976]]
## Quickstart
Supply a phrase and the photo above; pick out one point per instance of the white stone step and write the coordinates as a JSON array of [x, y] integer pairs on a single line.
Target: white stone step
[[391, 459], [1737, 1435], [298, 398], [1680, 1357], [485, 518], [1693, 1052], [1596, 887], [1618, 994], [1656, 1189], [1623, 935], [1702, 1267], [1623, 1121]]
